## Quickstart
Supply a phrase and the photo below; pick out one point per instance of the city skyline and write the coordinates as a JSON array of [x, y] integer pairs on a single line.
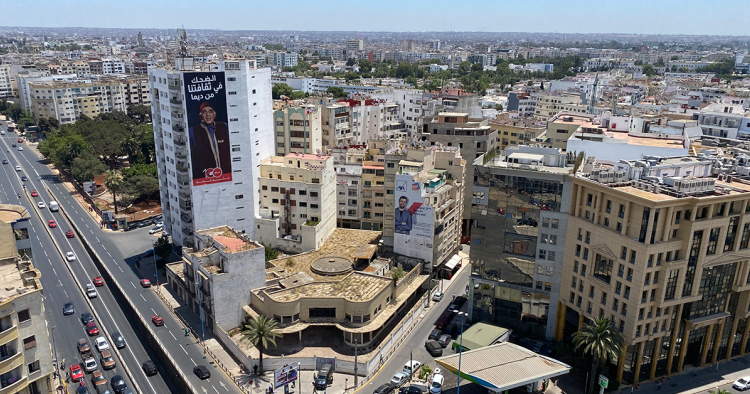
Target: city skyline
[[576, 17]]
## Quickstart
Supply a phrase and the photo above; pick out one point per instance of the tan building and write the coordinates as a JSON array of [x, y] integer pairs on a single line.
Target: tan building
[[549, 104], [563, 125], [666, 262], [517, 131], [297, 202], [298, 129], [373, 195], [66, 101], [25, 347], [336, 123], [348, 166], [136, 91]]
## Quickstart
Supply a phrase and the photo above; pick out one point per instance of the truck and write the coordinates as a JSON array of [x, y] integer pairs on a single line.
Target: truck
[[53, 207]]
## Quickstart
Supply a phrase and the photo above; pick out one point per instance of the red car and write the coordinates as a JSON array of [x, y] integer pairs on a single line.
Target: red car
[[157, 320], [145, 283], [76, 373], [98, 281], [34, 193], [91, 329], [70, 234], [20, 140], [52, 223]]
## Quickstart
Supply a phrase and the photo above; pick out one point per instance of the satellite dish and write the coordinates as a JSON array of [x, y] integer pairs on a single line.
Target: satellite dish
[[317, 151]]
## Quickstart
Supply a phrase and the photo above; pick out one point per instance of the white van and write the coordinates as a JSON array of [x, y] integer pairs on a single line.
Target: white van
[[53, 207], [436, 384], [412, 367]]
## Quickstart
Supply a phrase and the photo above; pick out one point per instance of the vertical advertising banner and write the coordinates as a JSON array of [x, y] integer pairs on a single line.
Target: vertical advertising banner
[[208, 128], [414, 222]]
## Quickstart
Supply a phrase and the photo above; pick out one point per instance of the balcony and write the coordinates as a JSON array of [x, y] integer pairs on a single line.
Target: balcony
[[185, 218], [8, 335], [180, 153], [178, 127], [12, 361], [176, 100], [182, 168], [179, 141]]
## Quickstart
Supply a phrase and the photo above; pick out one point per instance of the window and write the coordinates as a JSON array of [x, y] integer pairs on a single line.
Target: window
[[609, 206], [572, 297], [34, 367], [591, 291], [239, 196], [551, 255], [315, 180], [627, 293], [713, 238], [29, 342], [604, 298], [602, 268], [630, 275], [575, 266], [624, 309], [624, 253], [542, 254], [583, 269], [585, 253], [621, 271], [619, 226], [555, 223], [580, 286], [621, 214], [643, 296], [580, 234], [578, 250], [615, 304], [24, 316], [588, 237], [648, 279], [656, 277], [573, 285], [618, 288]]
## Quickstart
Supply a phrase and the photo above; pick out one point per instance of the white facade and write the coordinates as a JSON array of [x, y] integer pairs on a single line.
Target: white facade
[[5, 86], [187, 207], [284, 59]]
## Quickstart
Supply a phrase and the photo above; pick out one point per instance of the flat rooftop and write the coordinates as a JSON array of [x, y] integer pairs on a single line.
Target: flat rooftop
[[354, 287], [230, 240]]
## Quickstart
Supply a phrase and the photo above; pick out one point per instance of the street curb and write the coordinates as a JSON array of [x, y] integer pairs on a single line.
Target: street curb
[[122, 292]]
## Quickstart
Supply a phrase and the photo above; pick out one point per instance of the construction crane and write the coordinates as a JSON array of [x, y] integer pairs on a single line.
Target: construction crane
[[592, 101]]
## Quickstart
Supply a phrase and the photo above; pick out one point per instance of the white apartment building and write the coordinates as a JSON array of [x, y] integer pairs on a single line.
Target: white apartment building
[[347, 164], [67, 100], [136, 91], [284, 59], [298, 129], [188, 203], [355, 45], [297, 202], [23, 80], [721, 120], [113, 66], [5, 86]]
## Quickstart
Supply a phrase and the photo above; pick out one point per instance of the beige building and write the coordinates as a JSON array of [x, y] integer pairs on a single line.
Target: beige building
[[348, 166], [297, 129], [25, 347], [297, 202], [549, 104], [336, 123], [355, 45], [516, 131], [66, 101], [373, 195], [667, 262], [136, 91], [562, 126]]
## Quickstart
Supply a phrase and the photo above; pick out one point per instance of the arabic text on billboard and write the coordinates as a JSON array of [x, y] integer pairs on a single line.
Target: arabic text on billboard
[[208, 129], [412, 216], [285, 375]]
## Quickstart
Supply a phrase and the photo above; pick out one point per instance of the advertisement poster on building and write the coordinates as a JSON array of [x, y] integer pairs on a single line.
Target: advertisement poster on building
[[208, 129], [414, 222], [285, 375]]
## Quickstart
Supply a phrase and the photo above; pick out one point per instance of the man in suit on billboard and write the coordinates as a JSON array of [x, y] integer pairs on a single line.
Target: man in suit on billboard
[[209, 146], [403, 217]]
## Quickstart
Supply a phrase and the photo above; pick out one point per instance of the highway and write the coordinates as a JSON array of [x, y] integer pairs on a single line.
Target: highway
[[184, 350], [59, 286]]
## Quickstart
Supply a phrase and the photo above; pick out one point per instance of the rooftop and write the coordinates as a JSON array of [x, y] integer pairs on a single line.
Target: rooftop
[[356, 286], [229, 240]]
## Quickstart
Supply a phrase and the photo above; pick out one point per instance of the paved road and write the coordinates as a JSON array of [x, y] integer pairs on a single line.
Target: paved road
[[184, 350], [60, 287], [414, 345]]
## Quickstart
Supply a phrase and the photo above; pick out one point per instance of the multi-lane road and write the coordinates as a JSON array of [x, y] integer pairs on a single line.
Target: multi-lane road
[[61, 286]]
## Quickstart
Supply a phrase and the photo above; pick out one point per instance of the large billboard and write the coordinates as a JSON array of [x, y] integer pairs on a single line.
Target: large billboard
[[285, 375], [208, 129], [414, 222]]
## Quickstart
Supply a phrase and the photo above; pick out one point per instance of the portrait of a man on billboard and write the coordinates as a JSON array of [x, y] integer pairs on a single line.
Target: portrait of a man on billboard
[[403, 216]]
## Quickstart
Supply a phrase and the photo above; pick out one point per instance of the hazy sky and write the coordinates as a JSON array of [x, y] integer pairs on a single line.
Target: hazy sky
[[715, 17]]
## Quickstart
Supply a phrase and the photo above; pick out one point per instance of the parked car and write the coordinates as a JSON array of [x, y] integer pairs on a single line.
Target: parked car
[[437, 296], [399, 378], [444, 340], [742, 383], [155, 230], [410, 390], [436, 383], [435, 334], [412, 366], [385, 389], [434, 348]]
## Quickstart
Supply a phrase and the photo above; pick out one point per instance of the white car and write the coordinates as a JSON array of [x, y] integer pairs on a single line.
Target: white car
[[18, 168], [399, 378], [41, 204], [412, 367], [437, 296], [436, 383], [742, 383], [89, 364], [155, 230], [91, 291], [101, 344], [20, 148], [70, 256]]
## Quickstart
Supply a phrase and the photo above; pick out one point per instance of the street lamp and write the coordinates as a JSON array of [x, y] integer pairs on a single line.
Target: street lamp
[[355, 363], [54, 348], [462, 316], [156, 271]]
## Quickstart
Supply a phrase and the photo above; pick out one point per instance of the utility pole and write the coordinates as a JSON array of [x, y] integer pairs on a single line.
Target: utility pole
[[411, 364], [355, 364]]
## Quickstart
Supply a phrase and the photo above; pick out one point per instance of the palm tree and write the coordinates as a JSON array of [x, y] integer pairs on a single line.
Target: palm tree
[[113, 182], [602, 340], [131, 145], [260, 332]]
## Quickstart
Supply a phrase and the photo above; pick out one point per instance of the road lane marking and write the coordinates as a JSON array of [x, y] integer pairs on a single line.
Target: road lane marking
[[120, 269], [37, 238], [170, 333], [97, 239], [217, 391], [45, 253], [60, 282], [133, 285], [91, 231], [191, 359], [152, 310], [109, 254], [55, 271], [144, 298]]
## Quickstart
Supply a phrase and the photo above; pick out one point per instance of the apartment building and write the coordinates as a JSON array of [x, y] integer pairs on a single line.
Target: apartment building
[[473, 137], [660, 248], [297, 201], [194, 195], [6, 90], [24, 78], [283, 59], [373, 195], [136, 91], [355, 45], [518, 234], [336, 123], [347, 163], [721, 120], [298, 129], [26, 359], [517, 131], [67, 100], [549, 104]]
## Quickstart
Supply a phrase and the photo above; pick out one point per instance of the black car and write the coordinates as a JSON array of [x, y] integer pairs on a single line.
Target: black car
[[131, 227], [460, 301], [118, 340], [68, 309], [434, 348], [13, 145], [82, 390], [144, 223], [409, 390], [118, 384], [86, 318], [385, 389], [5, 161], [24, 178], [201, 371], [435, 334], [149, 368]]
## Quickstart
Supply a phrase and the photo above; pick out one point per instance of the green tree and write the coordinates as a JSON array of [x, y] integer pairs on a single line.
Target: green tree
[[260, 332], [142, 187], [397, 274], [683, 70], [350, 62], [425, 372], [86, 167], [280, 89], [140, 169], [162, 248], [659, 62], [365, 65], [105, 137], [477, 67], [649, 70], [404, 70], [113, 181], [139, 114], [674, 57], [271, 253], [336, 92], [602, 340], [297, 95]]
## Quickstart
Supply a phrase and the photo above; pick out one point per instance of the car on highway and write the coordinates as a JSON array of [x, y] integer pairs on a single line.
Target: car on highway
[[20, 148], [118, 340], [201, 372], [399, 378], [89, 364], [149, 368], [98, 379], [18, 168], [83, 347], [13, 145], [157, 320], [91, 291], [76, 373], [70, 256], [68, 309], [70, 234], [385, 389], [20, 141], [118, 384], [155, 230], [86, 318], [34, 193], [92, 329], [52, 223], [98, 281], [5, 161], [742, 383], [108, 362], [24, 178], [101, 344], [437, 296], [145, 283]]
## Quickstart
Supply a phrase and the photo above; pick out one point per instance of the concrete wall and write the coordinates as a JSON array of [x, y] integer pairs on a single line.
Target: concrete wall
[[231, 290]]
